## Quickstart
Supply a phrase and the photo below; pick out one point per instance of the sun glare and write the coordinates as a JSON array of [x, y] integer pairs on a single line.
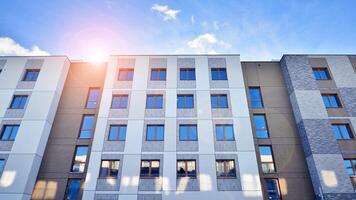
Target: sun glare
[[97, 56]]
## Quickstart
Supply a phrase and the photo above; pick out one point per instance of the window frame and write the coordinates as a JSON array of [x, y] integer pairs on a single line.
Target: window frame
[[271, 162], [219, 101], [119, 126], [110, 169], [187, 72], [154, 96], [67, 187], [159, 71], [33, 71], [127, 71], [348, 128], [149, 175], [219, 70], [82, 129], [3, 129], [156, 126], [120, 101], [225, 126], [318, 70], [186, 174], [188, 131], [80, 162], [2, 167], [260, 100], [337, 99], [96, 102], [259, 129], [225, 164], [185, 102], [22, 96], [353, 165], [278, 187]]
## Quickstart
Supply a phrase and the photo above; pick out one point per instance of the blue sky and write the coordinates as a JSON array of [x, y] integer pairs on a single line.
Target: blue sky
[[258, 30]]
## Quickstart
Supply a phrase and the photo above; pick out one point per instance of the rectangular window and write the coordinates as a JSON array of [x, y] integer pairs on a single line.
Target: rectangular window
[[126, 74], [350, 166], [186, 168], [109, 168], [185, 101], [267, 159], [331, 101], [155, 133], [272, 189], [255, 97], [158, 74], [342, 131], [188, 132], [93, 98], [149, 168], [31, 75], [154, 101], [224, 132], [117, 133], [87, 127], [261, 130], [187, 74], [218, 74], [80, 158], [119, 101], [321, 74], [9, 132], [73, 188], [2, 166], [18, 102], [225, 168], [219, 101]]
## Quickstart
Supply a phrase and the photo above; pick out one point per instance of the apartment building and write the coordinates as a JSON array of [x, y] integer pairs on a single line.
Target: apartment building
[[178, 127]]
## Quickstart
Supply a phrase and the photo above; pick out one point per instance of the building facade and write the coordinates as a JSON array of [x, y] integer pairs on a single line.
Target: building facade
[[154, 127]]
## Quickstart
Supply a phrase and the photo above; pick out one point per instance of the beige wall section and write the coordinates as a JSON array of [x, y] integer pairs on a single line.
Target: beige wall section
[[56, 164], [288, 154]]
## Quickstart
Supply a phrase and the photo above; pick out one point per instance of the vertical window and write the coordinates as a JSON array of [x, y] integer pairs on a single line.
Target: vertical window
[[225, 168], [9, 132], [158, 74], [31, 75], [154, 101], [149, 168], [2, 166], [350, 166], [109, 168], [331, 101], [224, 132], [80, 158], [187, 74], [219, 101], [321, 74], [342, 131], [267, 159], [272, 189], [126, 74], [93, 98], [260, 123], [218, 74], [117, 133], [119, 101], [155, 132], [73, 188], [87, 127], [185, 101], [186, 168], [18, 102], [255, 97], [188, 132]]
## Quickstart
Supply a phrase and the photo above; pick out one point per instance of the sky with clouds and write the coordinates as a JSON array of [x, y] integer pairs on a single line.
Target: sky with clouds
[[258, 30]]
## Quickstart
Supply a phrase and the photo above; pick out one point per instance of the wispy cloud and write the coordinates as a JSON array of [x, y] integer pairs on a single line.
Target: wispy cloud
[[192, 19], [207, 43], [8, 47], [166, 12]]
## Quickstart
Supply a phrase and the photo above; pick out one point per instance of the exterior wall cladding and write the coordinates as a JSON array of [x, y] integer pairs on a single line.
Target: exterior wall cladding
[[45, 119]]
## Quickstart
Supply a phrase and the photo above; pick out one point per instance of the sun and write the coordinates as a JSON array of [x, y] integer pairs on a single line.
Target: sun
[[97, 56]]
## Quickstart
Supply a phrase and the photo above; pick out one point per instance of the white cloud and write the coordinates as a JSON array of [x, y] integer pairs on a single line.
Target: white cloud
[[207, 43], [192, 19], [8, 47], [166, 12]]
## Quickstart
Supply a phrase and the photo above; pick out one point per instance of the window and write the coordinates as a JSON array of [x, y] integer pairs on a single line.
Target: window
[[73, 187], [260, 123], [117, 133], [80, 158], [9, 132], [219, 101], [218, 74], [87, 127], [224, 132], [267, 159], [126, 74], [187, 74], [186, 168], [119, 101], [158, 74], [109, 168], [350, 166], [321, 74], [149, 168], [154, 101], [18, 102], [331, 101], [188, 132], [31, 75], [272, 189], [93, 98], [255, 97], [2, 165], [185, 101], [342, 131], [225, 168], [155, 132]]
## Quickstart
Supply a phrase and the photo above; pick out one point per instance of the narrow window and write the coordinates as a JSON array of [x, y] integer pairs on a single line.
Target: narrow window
[[342, 131], [185, 101], [158, 74], [31, 75], [109, 168], [186, 168], [267, 159], [225, 168], [18, 102], [149, 168], [261, 130], [117, 133], [155, 132], [255, 97], [187, 74], [126, 74], [80, 158], [224, 132], [321, 74], [87, 128], [154, 101], [2, 165], [9, 132], [73, 188], [350, 165], [188, 132], [93, 98], [219, 101], [331, 101], [119, 101], [218, 74], [272, 189]]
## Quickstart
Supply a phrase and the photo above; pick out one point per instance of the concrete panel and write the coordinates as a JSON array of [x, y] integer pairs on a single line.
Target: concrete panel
[[206, 137], [169, 171], [234, 72], [141, 73], [134, 133], [203, 104], [171, 72], [342, 71], [207, 175], [202, 73]]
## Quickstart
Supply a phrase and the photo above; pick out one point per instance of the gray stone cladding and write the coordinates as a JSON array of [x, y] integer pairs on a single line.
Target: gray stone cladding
[[348, 96]]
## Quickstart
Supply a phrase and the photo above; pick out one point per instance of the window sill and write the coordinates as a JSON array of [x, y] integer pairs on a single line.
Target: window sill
[[108, 177], [227, 177], [190, 177], [145, 177]]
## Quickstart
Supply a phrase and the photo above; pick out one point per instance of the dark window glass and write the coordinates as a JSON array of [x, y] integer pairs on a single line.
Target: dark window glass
[[126, 74], [260, 126], [87, 128], [158, 74], [186, 168], [155, 132], [331, 101], [185, 101], [154, 101], [321, 74], [225, 168], [18, 102], [272, 188], [350, 166], [224, 132], [2, 165], [218, 74], [73, 188], [109, 168], [149, 168], [188, 132], [93, 98], [117, 132], [80, 158], [255, 97], [219, 101], [31, 75], [119, 101], [9, 132], [187, 74], [267, 159], [342, 131]]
